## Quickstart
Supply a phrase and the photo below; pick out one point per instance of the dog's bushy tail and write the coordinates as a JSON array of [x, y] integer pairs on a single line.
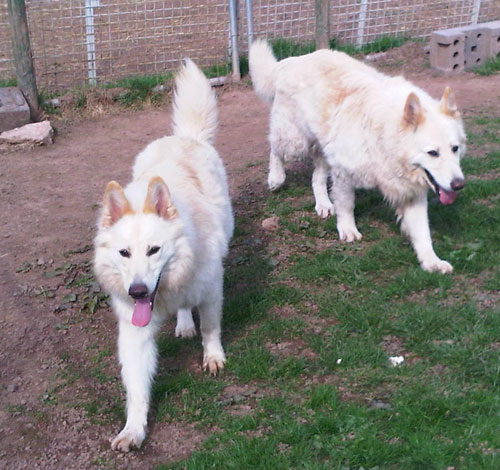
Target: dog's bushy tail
[[263, 69], [195, 105]]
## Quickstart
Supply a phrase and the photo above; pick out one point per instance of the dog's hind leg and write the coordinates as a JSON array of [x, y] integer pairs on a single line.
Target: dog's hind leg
[[138, 358], [324, 206], [185, 327], [288, 143], [343, 195], [415, 223], [276, 176]]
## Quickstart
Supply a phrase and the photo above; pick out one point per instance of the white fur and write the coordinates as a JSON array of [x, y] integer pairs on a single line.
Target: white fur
[[365, 128], [189, 218]]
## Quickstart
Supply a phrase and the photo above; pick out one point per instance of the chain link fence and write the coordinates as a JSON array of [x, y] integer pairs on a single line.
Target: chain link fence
[[97, 41]]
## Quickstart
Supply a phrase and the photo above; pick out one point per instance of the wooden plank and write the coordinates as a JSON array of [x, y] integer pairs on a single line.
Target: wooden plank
[[23, 57], [322, 35]]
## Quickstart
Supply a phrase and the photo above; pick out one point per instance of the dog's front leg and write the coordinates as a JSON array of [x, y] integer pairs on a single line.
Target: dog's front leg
[[210, 324], [415, 223], [138, 357], [343, 195], [185, 327]]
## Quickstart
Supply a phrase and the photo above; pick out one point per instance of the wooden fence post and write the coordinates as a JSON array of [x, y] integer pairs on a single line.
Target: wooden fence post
[[25, 72], [322, 24]]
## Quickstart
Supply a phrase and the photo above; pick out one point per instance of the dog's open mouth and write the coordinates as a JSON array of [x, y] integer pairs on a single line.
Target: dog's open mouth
[[143, 308], [446, 197]]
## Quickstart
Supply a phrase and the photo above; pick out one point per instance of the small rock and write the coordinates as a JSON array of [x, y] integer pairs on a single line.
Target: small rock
[[380, 405], [218, 81], [12, 388], [54, 102], [160, 88], [375, 57], [271, 223], [37, 133]]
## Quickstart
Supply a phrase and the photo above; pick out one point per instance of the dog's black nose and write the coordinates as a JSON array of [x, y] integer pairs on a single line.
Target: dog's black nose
[[138, 291], [457, 184]]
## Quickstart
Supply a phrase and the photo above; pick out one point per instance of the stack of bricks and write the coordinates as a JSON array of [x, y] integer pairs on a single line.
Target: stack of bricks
[[468, 47]]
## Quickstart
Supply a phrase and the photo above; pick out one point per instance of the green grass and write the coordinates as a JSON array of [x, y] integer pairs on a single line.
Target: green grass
[[283, 48], [6, 82], [329, 398], [490, 67], [139, 88]]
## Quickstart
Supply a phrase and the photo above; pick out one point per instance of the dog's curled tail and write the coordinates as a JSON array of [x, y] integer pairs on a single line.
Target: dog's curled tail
[[195, 105], [262, 65]]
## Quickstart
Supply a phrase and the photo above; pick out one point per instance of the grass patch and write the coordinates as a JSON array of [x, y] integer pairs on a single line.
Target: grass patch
[[490, 67], [283, 48], [7, 82]]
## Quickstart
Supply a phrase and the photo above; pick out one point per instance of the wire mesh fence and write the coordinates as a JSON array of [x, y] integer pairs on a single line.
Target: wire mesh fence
[[98, 41]]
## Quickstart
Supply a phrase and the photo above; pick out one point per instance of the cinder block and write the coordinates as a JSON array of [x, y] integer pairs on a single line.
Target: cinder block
[[14, 110], [447, 50], [476, 51], [492, 38]]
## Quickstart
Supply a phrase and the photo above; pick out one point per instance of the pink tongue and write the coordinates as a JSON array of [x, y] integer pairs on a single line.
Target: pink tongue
[[142, 312], [447, 197]]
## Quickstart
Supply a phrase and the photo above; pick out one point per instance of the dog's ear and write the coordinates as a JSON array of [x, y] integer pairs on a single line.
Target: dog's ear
[[115, 204], [158, 200], [448, 103], [413, 115]]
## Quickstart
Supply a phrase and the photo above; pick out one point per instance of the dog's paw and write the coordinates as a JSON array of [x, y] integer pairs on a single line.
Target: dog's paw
[[181, 331], [324, 210], [185, 327], [127, 440], [437, 265], [214, 363], [276, 180], [349, 234]]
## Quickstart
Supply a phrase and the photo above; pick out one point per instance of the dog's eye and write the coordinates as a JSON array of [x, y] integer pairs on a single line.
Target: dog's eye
[[125, 253], [455, 148], [153, 250], [433, 153]]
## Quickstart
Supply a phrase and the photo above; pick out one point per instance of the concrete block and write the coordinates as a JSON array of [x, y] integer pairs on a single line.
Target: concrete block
[[447, 50], [492, 38], [14, 110], [475, 45]]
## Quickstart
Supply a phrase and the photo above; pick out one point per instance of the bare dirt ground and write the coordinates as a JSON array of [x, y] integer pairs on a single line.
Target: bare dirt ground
[[49, 203]]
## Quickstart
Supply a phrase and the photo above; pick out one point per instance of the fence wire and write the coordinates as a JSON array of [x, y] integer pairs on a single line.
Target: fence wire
[[97, 41]]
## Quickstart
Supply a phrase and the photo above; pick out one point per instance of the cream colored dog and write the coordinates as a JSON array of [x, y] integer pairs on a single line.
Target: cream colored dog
[[160, 245], [366, 130]]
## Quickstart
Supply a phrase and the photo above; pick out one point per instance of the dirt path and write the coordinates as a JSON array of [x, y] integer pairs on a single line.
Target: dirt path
[[49, 202]]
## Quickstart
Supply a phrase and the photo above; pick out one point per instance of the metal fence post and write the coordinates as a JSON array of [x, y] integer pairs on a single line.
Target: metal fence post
[[235, 56], [322, 33], [475, 12], [90, 39], [249, 6], [23, 57]]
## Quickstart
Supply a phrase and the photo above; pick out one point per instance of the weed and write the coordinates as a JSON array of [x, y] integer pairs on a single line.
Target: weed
[[7, 82], [490, 67]]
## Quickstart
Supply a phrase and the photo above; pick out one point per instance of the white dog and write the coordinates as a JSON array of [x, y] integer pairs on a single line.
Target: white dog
[[160, 245], [366, 130]]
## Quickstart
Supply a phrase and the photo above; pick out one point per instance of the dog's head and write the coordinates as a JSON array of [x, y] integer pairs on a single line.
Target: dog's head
[[437, 141], [135, 245]]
